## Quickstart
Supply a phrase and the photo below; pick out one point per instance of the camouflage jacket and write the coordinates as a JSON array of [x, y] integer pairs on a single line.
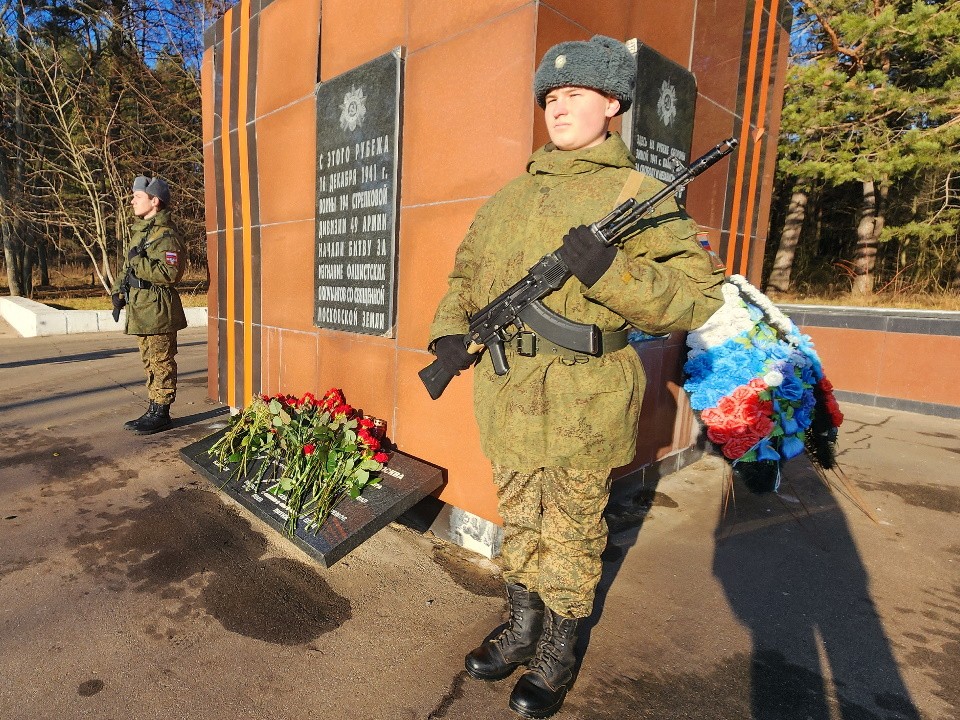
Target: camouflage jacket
[[545, 411], [156, 309]]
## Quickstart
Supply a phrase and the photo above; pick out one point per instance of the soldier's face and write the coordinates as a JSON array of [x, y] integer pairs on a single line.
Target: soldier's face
[[144, 206], [578, 117]]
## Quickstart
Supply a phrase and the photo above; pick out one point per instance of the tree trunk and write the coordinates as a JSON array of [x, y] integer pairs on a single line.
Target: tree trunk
[[12, 258], [26, 270], [779, 280], [42, 262], [868, 233]]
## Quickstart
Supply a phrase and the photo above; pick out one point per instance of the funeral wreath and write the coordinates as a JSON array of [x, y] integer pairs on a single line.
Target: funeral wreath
[[760, 388]]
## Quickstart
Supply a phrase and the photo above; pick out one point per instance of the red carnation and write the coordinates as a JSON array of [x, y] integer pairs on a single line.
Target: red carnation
[[381, 457], [718, 435], [740, 446], [308, 449], [758, 384], [719, 419]]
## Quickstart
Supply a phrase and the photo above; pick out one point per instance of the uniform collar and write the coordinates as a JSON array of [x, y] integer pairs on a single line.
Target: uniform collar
[[610, 153], [161, 218]]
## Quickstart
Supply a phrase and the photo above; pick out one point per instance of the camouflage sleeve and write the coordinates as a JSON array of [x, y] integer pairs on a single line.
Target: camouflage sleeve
[[164, 262], [456, 306], [118, 279], [661, 280]]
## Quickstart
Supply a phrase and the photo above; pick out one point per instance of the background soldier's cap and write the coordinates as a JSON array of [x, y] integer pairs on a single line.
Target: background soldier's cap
[[157, 187], [602, 64]]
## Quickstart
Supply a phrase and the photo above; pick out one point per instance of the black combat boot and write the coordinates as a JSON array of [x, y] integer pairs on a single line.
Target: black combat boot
[[540, 691], [515, 644], [132, 424], [157, 418]]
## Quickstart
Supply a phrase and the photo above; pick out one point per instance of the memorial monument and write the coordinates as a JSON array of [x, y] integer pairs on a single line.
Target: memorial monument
[[348, 144]]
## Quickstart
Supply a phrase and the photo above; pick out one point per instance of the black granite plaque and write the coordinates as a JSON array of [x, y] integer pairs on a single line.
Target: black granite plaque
[[358, 152], [661, 119], [404, 482]]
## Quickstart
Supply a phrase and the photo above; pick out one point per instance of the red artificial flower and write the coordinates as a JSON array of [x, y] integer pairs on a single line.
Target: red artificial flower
[[720, 418], [308, 449], [381, 457], [740, 446], [718, 435], [758, 384], [342, 409], [825, 385], [366, 423], [833, 410]]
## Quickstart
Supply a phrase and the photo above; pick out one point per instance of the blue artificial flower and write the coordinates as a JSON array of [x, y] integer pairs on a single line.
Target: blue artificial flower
[[791, 388], [756, 314], [765, 451], [789, 423], [802, 415], [791, 447]]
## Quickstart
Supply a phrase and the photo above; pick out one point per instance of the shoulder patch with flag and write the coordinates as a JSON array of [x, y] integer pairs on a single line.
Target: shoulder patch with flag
[[171, 258]]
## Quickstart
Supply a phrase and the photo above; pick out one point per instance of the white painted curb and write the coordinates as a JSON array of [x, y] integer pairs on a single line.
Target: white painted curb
[[33, 319]]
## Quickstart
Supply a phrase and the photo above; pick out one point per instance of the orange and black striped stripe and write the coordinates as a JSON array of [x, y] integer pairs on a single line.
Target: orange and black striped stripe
[[762, 37], [234, 40]]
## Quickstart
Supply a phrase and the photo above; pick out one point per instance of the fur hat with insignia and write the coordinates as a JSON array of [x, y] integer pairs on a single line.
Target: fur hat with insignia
[[602, 64], [157, 187]]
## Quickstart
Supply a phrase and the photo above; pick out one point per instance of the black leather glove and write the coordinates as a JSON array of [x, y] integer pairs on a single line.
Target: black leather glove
[[452, 353], [587, 257], [118, 301]]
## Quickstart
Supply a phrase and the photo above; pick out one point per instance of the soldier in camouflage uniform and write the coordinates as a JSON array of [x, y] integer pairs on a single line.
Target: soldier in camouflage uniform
[[557, 423], [145, 285]]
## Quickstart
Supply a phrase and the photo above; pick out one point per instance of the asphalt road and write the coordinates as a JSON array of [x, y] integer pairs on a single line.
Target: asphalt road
[[129, 589]]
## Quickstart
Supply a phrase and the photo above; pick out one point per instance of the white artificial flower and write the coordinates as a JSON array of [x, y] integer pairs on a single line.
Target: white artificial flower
[[774, 378]]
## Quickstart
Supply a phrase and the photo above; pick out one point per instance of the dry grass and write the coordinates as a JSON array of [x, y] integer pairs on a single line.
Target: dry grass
[[916, 301], [103, 303], [73, 287]]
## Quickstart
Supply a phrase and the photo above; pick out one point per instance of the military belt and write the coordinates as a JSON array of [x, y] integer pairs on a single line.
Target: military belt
[[527, 343], [138, 283]]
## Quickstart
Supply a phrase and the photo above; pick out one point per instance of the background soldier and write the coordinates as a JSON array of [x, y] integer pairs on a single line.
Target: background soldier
[[557, 423], [145, 285]]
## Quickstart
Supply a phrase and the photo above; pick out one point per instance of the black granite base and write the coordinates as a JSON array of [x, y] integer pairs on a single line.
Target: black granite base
[[403, 483]]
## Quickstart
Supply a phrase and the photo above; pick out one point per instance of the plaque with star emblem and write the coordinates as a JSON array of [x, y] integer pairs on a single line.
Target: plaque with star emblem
[[659, 125], [358, 152]]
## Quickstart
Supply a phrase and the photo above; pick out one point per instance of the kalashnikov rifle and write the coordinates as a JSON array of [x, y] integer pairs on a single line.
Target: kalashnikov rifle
[[520, 305]]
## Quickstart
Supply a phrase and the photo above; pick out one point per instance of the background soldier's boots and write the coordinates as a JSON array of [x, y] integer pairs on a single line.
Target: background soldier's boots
[[540, 691], [156, 419], [132, 424], [516, 644]]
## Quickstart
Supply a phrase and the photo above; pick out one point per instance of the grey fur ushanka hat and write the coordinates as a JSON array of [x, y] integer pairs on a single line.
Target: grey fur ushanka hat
[[601, 64], [157, 187]]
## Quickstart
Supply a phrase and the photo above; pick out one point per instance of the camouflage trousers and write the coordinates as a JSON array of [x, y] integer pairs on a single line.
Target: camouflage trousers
[[157, 353], [554, 533]]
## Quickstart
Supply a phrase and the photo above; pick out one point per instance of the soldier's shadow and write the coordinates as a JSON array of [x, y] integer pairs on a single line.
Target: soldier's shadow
[[792, 574]]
